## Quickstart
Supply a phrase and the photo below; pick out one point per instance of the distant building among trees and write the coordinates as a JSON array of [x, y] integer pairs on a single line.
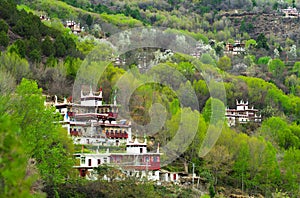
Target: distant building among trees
[[75, 27], [237, 48], [242, 114], [290, 12]]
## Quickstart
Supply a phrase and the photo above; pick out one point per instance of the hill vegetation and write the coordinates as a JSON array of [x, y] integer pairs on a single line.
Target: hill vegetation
[[256, 159]]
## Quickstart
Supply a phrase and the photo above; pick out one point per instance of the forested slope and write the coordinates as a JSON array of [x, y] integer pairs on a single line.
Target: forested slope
[[247, 159]]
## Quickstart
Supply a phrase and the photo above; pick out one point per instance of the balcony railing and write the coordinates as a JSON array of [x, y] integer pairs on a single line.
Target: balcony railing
[[74, 133], [112, 115], [140, 165], [71, 114], [116, 135]]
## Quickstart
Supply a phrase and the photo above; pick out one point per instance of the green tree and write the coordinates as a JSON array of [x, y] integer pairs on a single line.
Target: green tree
[[14, 65], [70, 45], [291, 171], [192, 153], [224, 63], [253, 162], [241, 165], [47, 47], [167, 75], [60, 48], [83, 3], [174, 106], [4, 39], [51, 61], [207, 111], [13, 178], [31, 45], [45, 142], [19, 47], [3, 26], [7, 10], [89, 20], [275, 5], [268, 112], [7, 82], [243, 27], [296, 68], [249, 60], [35, 56], [188, 120], [250, 43], [264, 60], [276, 67], [72, 65], [261, 42], [263, 92], [28, 25], [187, 95], [292, 82], [202, 92], [187, 69], [219, 161], [207, 59], [277, 131], [268, 174]]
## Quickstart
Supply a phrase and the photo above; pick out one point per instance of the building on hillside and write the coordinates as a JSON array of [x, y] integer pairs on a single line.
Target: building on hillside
[[167, 176], [242, 114], [44, 17], [234, 49], [135, 161], [75, 27], [290, 12], [94, 124], [92, 121], [119, 61]]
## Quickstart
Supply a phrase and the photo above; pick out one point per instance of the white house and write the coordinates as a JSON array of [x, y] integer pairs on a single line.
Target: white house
[[242, 114]]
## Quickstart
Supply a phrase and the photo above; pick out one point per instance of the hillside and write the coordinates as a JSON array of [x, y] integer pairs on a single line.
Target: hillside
[[274, 26], [253, 158]]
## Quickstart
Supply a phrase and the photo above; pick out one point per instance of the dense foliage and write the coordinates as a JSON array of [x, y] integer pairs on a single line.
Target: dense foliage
[[256, 158], [34, 154]]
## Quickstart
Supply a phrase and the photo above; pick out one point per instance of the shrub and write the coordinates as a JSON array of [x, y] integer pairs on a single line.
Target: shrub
[[3, 26], [4, 40]]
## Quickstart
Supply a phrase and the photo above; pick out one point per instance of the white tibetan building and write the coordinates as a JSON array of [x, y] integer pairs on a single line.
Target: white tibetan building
[[92, 121], [242, 114], [135, 161]]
